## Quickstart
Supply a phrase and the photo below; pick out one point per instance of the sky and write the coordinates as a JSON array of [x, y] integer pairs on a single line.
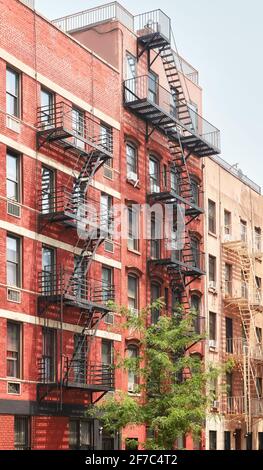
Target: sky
[[223, 40]]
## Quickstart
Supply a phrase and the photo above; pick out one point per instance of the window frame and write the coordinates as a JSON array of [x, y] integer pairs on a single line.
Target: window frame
[[212, 258], [212, 325], [227, 227], [27, 442], [131, 168], [19, 351], [212, 217], [133, 241], [155, 312], [18, 264], [11, 153], [50, 118], [135, 307], [17, 95], [135, 375]]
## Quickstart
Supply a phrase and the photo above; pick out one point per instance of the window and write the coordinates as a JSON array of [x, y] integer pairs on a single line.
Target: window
[[259, 334], [195, 306], [80, 358], [133, 293], [165, 176], [47, 108], [229, 335], [106, 352], [227, 223], [227, 440], [244, 287], [194, 190], [22, 433], [212, 440], [13, 261], [175, 180], [13, 356], [80, 287], [106, 139], [106, 214], [49, 354], [249, 441], [260, 441], [132, 353], [259, 386], [131, 156], [212, 326], [228, 279], [48, 270], [133, 228], [13, 176], [80, 435], [47, 186], [107, 282], [78, 123], [211, 216], [154, 171], [195, 246], [153, 87], [257, 235], [193, 111], [155, 295], [258, 290], [12, 92], [243, 230], [155, 241], [212, 271], [229, 385], [131, 77]]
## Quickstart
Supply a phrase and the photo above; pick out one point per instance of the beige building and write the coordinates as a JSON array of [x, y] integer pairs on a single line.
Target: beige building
[[234, 223]]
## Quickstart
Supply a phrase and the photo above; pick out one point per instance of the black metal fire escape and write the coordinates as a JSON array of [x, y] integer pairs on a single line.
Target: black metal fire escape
[[86, 149], [187, 133]]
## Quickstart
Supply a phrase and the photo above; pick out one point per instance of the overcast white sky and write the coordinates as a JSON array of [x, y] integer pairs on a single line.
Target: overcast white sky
[[223, 39]]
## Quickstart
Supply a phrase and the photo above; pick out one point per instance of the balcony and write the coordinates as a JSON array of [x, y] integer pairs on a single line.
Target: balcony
[[237, 406], [78, 374], [168, 187], [186, 260], [76, 133], [75, 290], [153, 29], [238, 347], [196, 134]]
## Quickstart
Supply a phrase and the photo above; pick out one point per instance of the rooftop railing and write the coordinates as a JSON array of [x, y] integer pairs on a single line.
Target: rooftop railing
[[237, 172], [110, 11]]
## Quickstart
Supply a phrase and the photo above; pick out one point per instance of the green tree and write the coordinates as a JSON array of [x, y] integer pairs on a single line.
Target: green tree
[[172, 393]]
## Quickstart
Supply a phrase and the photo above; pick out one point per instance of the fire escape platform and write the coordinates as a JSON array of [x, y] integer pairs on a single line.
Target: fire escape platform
[[71, 301], [171, 197], [160, 117], [179, 266]]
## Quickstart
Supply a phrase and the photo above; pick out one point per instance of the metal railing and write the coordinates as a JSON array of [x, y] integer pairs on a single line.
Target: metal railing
[[78, 129], [79, 372], [152, 22], [234, 405], [76, 207], [167, 249], [137, 89], [170, 181], [110, 11], [29, 3], [257, 407], [237, 173], [74, 287], [238, 347]]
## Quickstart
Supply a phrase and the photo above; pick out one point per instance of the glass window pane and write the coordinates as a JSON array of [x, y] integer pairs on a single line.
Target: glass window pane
[[12, 249], [12, 82], [11, 105]]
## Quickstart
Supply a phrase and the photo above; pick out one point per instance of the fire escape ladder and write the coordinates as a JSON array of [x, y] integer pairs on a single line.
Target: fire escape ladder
[[174, 81]]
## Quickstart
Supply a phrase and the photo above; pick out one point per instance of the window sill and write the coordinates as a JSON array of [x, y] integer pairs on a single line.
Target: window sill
[[133, 184], [131, 394], [212, 234], [135, 252]]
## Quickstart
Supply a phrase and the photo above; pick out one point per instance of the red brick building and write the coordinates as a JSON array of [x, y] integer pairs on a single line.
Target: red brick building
[[105, 115]]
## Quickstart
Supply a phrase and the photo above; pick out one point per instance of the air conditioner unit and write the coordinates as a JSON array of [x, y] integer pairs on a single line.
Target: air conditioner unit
[[132, 177], [13, 209], [109, 318], [109, 246], [215, 404], [227, 237], [131, 387], [108, 172], [212, 344], [14, 388], [14, 295], [13, 124], [212, 285], [155, 188], [134, 311]]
